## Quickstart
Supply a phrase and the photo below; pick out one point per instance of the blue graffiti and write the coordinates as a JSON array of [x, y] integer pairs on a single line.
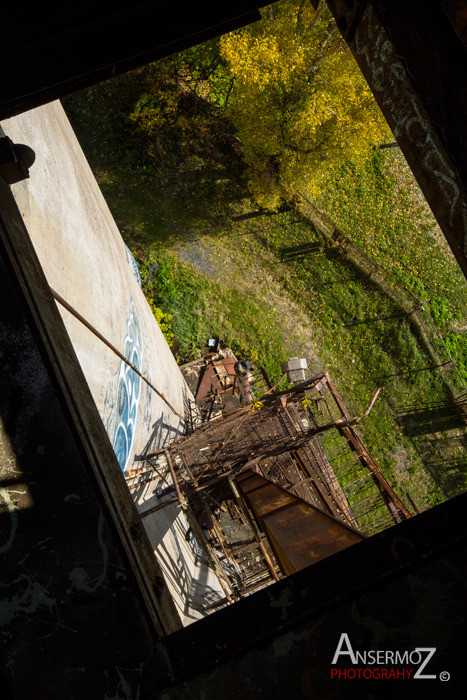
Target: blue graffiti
[[133, 265], [128, 391]]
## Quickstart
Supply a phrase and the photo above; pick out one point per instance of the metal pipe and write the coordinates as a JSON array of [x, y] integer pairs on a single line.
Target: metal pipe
[[93, 330]]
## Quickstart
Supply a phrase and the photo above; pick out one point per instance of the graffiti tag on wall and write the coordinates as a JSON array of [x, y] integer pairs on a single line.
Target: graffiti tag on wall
[[128, 391]]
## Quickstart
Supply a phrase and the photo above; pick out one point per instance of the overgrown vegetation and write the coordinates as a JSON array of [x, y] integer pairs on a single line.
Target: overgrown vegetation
[[192, 153]]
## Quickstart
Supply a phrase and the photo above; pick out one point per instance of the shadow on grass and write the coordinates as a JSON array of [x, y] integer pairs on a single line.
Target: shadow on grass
[[150, 210], [444, 456], [445, 459], [430, 419], [261, 213], [299, 251]]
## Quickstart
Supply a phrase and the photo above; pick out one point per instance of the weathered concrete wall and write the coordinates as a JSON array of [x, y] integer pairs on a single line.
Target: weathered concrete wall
[[85, 260], [191, 582]]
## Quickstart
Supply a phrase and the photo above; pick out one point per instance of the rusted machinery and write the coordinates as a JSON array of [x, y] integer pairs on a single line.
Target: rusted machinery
[[270, 481]]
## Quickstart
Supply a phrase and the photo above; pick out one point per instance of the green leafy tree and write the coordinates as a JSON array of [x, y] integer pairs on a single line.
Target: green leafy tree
[[179, 109], [299, 101], [190, 146]]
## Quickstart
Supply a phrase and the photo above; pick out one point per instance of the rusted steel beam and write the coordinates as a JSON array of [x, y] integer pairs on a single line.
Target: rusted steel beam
[[397, 45], [299, 534], [174, 477], [335, 395], [159, 506], [312, 383], [412, 503], [328, 409], [331, 484], [325, 494], [394, 504]]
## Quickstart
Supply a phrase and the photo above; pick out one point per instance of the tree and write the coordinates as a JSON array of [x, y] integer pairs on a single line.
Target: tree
[[179, 108], [299, 101]]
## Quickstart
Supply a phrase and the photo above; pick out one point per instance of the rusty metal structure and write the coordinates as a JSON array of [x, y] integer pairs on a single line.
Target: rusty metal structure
[[301, 450]]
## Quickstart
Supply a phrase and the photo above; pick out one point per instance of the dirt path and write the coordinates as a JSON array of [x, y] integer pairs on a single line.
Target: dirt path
[[216, 260]]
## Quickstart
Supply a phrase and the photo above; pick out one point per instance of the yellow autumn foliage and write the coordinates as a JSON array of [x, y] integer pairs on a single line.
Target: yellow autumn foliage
[[299, 101], [164, 322]]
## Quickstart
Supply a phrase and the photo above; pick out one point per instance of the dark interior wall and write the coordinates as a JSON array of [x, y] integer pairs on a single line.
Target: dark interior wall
[[456, 11], [50, 49], [422, 607], [70, 614], [415, 65], [436, 61]]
